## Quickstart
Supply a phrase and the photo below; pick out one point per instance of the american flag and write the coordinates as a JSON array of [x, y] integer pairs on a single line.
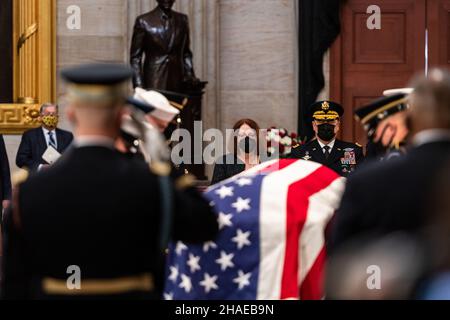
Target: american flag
[[271, 243]]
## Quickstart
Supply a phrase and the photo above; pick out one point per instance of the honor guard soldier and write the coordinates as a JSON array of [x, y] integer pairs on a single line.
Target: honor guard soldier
[[128, 141], [168, 106], [164, 111], [92, 225], [151, 112], [397, 196], [385, 123], [177, 102], [342, 157]]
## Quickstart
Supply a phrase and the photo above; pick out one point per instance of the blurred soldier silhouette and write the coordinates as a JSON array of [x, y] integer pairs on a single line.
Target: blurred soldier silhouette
[[385, 121], [395, 195], [96, 209]]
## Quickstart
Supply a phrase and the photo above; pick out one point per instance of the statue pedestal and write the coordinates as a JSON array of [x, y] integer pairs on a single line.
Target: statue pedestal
[[193, 112]]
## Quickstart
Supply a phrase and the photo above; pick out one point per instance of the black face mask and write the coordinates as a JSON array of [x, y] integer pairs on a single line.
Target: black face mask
[[248, 145], [326, 132]]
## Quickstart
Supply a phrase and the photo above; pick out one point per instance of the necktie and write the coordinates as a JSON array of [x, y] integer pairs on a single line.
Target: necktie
[[166, 20], [51, 140], [327, 151]]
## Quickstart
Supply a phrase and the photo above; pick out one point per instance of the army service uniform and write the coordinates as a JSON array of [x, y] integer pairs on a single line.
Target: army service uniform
[[344, 158]]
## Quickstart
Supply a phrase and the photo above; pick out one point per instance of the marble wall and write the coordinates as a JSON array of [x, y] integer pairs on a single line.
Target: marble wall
[[12, 144], [258, 62], [245, 49], [100, 38]]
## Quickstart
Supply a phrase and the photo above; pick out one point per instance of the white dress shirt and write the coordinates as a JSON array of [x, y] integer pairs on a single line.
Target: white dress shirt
[[331, 145], [47, 140]]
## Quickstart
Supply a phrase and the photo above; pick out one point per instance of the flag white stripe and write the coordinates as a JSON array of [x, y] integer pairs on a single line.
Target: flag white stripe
[[321, 208], [273, 208], [250, 172], [262, 166]]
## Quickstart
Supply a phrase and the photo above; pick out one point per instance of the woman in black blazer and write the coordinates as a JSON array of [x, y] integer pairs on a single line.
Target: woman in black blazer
[[245, 152]]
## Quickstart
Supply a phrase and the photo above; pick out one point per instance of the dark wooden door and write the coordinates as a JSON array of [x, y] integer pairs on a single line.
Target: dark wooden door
[[366, 62], [438, 25]]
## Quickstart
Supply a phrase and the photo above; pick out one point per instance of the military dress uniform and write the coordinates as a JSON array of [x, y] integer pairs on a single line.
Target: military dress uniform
[[372, 114], [399, 196], [157, 105], [168, 107], [96, 211], [344, 158], [340, 156]]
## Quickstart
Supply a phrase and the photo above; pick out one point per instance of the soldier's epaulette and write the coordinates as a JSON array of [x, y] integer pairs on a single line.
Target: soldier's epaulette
[[296, 146], [185, 181], [19, 177], [395, 145], [160, 168]]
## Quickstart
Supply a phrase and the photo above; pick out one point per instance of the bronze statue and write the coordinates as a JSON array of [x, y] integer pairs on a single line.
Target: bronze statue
[[160, 53]]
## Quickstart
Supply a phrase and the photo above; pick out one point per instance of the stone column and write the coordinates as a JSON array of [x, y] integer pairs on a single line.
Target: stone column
[[26, 52], [258, 57]]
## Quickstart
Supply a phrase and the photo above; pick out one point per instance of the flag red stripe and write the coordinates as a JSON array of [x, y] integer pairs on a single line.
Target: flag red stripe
[[297, 208], [279, 165], [312, 287]]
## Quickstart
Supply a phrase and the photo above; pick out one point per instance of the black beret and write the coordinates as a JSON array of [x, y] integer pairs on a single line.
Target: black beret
[[97, 83]]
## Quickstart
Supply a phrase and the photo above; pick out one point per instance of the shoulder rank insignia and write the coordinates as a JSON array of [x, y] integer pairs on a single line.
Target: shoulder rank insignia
[[160, 168], [185, 181]]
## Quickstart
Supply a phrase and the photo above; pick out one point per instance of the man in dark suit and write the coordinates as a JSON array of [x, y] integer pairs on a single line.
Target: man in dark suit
[[340, 156], [5, 176], [396, 195], [5, 186], [36, 141], [93, 225], [162, 36]]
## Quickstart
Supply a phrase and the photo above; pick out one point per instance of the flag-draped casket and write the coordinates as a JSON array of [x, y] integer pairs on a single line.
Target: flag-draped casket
[[271, 243]]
